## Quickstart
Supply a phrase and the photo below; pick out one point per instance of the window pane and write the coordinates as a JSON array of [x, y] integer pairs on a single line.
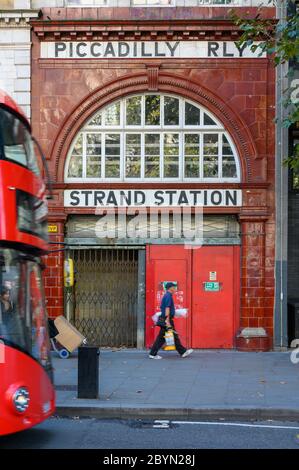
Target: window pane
[[210, 142], [226, 147], [112, 159], [210, 164], [210, 167], [93, 167], [171, 111], [133, 155], [152, 156], [139, 3], [222, 2], [208, 121], [112, 145], [133, 111], [152, 110], [191, 152], [93, 144], [192, 115], [229, 169], [93, 155], [112, 115], [152, 144], [171, 155], [78, 147], [75, 167], [96, 120]]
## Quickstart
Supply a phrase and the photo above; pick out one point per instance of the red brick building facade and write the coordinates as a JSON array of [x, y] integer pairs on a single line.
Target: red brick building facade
[[238, 92]]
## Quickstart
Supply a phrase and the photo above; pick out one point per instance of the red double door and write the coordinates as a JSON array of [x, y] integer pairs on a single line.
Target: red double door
[[208, 284]]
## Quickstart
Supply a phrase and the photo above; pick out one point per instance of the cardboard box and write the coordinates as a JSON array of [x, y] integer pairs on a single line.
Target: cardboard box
[[69, 337]]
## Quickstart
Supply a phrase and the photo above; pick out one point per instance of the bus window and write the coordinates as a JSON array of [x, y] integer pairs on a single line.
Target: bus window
[[12, 300], [39, 325], [15, 142], [32, 214], [23, 317]]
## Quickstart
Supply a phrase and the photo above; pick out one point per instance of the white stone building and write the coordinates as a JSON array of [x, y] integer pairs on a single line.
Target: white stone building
[[15, 46]]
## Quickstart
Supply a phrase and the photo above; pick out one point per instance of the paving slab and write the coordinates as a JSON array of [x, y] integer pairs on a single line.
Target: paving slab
[[207, 383]]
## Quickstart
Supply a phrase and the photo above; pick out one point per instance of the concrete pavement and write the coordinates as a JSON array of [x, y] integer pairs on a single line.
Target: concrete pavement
[[205, 385]]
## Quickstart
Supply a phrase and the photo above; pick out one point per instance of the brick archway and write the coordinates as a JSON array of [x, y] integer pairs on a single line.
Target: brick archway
[[167, 83]]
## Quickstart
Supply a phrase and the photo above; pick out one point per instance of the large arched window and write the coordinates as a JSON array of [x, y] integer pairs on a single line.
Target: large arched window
[[152, 137]]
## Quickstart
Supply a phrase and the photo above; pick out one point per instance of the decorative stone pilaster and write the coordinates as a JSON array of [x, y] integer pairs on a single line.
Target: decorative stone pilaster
[[252, 334]]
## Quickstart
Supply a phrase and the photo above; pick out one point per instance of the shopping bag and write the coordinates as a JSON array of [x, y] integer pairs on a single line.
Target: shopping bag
[[181, 313], [155, 317], [169, 340]]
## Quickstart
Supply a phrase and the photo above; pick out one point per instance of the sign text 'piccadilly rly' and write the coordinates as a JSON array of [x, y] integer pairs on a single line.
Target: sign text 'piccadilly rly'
[[147, 50]]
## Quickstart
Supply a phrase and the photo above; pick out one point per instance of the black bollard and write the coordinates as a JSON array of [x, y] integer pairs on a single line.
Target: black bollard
[[88, 372]]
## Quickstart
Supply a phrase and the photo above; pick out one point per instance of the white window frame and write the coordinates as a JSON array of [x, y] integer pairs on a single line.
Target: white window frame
[[174, 3], [143, 129], [91, 4], [147, 5]]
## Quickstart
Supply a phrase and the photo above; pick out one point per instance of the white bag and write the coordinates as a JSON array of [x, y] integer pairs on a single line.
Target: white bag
[[155, 317], [179, 313]]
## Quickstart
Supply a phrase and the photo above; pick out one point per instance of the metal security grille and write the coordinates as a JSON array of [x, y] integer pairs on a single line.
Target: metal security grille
[[103, 302]]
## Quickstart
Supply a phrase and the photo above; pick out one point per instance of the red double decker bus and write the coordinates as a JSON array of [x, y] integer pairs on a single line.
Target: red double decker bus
[[26, 388]]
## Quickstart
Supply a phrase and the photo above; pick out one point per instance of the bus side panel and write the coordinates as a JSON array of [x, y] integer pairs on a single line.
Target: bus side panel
[[19, 370], [14, 177]]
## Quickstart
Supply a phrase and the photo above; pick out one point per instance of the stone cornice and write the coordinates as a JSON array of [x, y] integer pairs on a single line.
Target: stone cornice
[[17, 18], [123, 31], [60, 24]]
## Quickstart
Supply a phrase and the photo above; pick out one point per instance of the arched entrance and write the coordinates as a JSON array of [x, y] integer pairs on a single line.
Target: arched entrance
[[141, 141]]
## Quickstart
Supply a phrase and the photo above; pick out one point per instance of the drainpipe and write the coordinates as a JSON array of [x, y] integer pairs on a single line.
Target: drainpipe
[[281, 192]]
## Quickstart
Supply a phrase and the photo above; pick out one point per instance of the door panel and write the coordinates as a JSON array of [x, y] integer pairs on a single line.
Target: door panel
[[214, 314], [167, 263]]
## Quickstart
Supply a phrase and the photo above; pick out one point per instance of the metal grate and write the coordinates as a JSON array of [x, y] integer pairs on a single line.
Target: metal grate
[[103, 302]]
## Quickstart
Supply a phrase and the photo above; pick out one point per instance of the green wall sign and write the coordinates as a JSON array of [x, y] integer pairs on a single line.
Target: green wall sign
[[211, 286]]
